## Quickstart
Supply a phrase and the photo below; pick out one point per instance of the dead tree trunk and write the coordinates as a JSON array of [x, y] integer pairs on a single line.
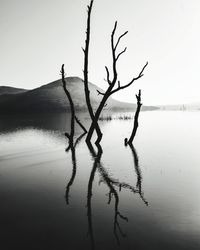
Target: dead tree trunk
[[85, 72], [111, 83], [71, 135], [73, 116], [135, 126]]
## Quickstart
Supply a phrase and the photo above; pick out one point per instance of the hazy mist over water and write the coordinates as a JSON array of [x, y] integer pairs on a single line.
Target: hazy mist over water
[[36, 213]]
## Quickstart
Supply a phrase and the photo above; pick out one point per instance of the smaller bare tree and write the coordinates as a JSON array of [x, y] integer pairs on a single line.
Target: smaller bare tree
[[135, 125], [70, 135]]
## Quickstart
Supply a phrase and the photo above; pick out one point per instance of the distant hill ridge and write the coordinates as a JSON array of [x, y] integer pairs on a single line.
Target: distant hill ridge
[[51, 98], [10, 90]]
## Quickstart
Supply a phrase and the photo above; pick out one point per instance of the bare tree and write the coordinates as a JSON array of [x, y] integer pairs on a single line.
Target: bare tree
[[85, 72], [73, 116], [135, 126], [111, 82]]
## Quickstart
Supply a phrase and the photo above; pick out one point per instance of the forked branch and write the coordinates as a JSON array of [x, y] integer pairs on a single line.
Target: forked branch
[[126, 32], [112, 83], [131, 82], [100, 93], [122, 52]]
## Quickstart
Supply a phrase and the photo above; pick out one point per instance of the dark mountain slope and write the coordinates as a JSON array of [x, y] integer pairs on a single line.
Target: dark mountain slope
[[51, 98], [4, 90]]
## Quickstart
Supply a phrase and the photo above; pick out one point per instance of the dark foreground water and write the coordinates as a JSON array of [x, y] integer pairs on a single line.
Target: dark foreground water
[[113, 197]]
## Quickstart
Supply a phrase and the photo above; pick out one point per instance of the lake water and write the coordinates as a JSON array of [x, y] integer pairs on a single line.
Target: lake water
[[113, 197]]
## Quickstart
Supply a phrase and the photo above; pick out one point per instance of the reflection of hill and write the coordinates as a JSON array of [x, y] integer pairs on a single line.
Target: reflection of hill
[[51, 98], [53, 122]]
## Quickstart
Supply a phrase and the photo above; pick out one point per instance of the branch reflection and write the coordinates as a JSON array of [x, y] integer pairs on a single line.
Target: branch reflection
[[138, 173], [114, 186], [113, 193], [97, 158], [72, 147]]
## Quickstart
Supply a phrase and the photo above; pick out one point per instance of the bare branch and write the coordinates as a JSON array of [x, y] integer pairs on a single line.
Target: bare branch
[[128, 84], [67, 135], [79, 139], [138, 97], [141, 72], [68, 148], [109, 197], [122, 217], [71, 135], [118, 84], [62, 72], [100, 93], [108, 75], [112, 40], [123, 185], [126, 32], [136, 124], [123, 51], [90, 6], [114, 29], [114, 55], [80, 124], [86, 52]]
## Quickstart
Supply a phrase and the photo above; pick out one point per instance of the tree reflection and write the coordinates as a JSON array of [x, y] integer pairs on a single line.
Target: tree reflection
[[97, 158], [114, 186], [138, 173], [71, 147], [113, 193]]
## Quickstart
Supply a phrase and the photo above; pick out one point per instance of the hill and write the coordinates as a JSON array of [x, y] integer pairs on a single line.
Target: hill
[[5, 90], [51, 98]]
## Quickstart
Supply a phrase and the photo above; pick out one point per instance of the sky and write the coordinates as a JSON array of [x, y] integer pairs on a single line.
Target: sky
[[38, 36]]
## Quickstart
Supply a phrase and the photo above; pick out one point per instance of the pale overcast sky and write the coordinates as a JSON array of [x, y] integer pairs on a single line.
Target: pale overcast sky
[[37, 36]]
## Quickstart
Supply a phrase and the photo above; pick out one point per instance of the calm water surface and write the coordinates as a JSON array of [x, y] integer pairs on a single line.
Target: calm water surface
[[113, 197]]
